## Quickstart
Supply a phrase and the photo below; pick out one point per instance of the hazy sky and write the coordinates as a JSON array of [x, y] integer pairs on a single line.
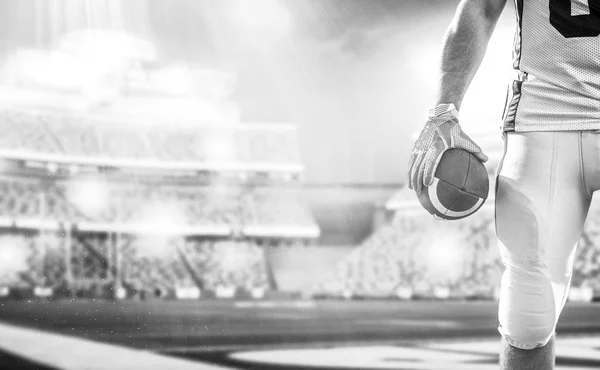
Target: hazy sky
[[361, 88], [356, 76]]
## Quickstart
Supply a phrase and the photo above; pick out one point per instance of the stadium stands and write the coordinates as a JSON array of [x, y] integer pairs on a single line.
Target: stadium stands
[[153, 234], [150, 186], [129, 203], [101, 140], [180, 263], [416, 255]]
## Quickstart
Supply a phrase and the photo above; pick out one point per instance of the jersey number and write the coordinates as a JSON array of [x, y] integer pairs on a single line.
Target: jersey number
[[585, 25]]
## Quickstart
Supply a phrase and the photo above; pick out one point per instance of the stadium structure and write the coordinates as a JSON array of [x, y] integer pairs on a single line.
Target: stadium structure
[[131, 177]]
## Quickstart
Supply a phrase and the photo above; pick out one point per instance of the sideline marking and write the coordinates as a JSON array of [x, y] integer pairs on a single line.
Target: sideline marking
[[412, 322], [434, 355], [65, 352], [275, 304]]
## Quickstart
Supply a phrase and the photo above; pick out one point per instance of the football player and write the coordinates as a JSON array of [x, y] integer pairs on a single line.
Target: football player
[[551, 164]]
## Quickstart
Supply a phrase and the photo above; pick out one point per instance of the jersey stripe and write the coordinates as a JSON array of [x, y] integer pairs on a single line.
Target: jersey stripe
[[512, 103], [518, 38]]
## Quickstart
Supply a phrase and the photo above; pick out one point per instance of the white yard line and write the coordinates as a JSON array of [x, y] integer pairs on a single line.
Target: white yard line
[[70, 353], [432, 355]]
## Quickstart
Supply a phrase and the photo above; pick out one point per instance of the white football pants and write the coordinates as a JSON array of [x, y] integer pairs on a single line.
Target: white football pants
[[543, 192]]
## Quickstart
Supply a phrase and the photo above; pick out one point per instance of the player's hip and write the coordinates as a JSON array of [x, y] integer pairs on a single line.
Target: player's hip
[[567, 158], [543, 192], [537, 105]]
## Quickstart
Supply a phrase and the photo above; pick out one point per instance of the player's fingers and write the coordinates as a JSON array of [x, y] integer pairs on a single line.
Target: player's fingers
[[411, 163], [421, 170], [474, 148], [481, 156], [414, 177], [432, 161]]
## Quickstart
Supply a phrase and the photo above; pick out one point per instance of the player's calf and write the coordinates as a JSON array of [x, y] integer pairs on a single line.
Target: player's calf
[[541, 358]]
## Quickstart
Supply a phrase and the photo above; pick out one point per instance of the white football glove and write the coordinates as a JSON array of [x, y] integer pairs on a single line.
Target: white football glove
[[439, 134]]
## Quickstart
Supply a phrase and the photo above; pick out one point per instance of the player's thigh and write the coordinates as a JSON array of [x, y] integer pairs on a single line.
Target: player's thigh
[[541, 201]]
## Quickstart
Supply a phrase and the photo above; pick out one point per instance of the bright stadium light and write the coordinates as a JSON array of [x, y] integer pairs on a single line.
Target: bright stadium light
[[90, 196], [175, 80], [107, 47], [265, 16], [219, 148], [159, 223], [162, 218], [444, 258], [13, 257]]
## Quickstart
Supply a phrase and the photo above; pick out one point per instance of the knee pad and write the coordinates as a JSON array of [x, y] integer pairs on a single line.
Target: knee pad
[[530, 304]]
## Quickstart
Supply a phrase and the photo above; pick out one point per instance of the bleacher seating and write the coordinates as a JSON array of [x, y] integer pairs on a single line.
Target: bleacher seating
[[76, 246], [425, 255], [147, 266], [99, 140], [156, 270], [240, 265], [209, 265], [399, 256], [31, 198]]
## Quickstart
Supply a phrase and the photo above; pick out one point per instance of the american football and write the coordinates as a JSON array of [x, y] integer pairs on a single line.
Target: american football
[[460, 186]]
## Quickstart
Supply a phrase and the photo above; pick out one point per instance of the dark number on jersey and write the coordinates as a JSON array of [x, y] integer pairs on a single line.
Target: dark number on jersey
[[575, 25]]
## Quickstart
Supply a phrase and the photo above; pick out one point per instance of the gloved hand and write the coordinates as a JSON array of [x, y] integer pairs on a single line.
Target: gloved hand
[[439, 134]]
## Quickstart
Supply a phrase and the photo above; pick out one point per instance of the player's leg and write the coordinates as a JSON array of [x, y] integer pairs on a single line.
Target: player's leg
[[541, 206], [527, 359]]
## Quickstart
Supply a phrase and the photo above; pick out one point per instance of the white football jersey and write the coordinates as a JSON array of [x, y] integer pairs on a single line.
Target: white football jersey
[[557, 55]]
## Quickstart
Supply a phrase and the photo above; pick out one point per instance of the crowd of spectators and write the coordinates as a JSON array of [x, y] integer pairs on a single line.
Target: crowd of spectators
[[414, 255], [88, 264], [421, 256], [211, 266], [227, 264], [82, 234], [75, 260], [134, 202], [84, 137], [154, 269]]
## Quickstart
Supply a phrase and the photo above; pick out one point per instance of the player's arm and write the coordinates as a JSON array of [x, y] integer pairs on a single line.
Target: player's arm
[[463, 49], [464, 46]]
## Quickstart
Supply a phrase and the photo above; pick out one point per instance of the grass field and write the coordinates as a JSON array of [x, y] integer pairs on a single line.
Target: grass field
[[211, 331]]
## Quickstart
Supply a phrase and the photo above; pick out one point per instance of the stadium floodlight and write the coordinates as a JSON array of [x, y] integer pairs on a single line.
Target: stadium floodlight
[[162, 218], [225, 291], [52, 167], [445, 257], [105, 45], [268, 17], [159, 225], [120, 293], [90, 196], [73, 169], [233, 258], [219, 148], [13, 256], [258, 292], [43, 292], [176, 80], [404, 292]]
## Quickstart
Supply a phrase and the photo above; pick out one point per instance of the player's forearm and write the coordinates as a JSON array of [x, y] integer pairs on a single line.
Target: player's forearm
[[464, 47]]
